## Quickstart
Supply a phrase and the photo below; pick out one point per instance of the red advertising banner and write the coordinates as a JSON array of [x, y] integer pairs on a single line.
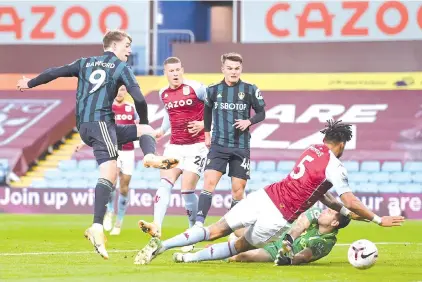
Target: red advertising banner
[[81, 201]]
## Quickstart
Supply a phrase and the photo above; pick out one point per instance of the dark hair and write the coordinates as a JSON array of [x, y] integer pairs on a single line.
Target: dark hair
[[235, 57], [337, 132], [343, 221]]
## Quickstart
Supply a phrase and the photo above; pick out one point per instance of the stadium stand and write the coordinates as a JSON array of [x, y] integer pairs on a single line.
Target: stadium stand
[[364, 177]]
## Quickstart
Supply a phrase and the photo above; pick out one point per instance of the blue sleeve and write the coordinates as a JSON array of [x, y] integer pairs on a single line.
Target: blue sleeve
[[201, 92], [70, 70]]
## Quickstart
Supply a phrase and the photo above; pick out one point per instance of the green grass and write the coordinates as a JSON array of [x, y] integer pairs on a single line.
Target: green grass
[[64, 233]]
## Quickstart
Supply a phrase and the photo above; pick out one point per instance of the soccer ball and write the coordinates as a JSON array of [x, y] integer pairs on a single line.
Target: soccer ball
[[362, 254]]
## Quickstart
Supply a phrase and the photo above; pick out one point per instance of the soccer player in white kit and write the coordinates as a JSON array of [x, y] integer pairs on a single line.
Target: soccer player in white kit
[[184, 104]]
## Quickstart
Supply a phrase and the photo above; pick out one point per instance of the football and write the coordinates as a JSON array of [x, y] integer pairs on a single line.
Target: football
[[362, 254]]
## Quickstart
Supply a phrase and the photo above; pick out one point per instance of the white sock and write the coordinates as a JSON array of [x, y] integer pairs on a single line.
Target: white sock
[[191, 205], [213, 252], [162, 200], [97, 227]]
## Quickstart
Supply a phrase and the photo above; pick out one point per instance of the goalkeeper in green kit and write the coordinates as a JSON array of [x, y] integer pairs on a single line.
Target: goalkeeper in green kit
[[311, 237]]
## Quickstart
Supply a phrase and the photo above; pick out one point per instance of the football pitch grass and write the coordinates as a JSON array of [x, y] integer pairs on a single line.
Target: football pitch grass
[[53, 248]]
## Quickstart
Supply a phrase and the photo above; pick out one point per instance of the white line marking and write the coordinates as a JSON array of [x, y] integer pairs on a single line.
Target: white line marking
[[129, 251]]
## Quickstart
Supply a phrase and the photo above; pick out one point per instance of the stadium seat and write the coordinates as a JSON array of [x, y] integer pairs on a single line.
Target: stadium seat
[[354, 185], [258, 175], [389, 188], [87, 165], [285, 165], [138, 176], [391, 166], [351, 166], [417, 177], [153, 174], [266, 166], [140, 166], [252, 166], [413, 167], [368, 188], [39, 183], [4, 163], [53, 174], [401, 177], [411, 188], [254, 187], [154, 185], [274, 176], [76, 174], [57, 183], [379, 177], [67, 165], [78, 183], [92, 176], [361, 177], [224, 184], [138, 184], [370, 166]]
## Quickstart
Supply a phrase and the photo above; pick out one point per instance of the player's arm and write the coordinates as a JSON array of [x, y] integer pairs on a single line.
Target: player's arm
[[258, 104], [195, 127], [208, 105], [165, 125], [136, 120], [315, 250], [300, 225], [336, 173], [50, 74], [132, 87], [330, 201]]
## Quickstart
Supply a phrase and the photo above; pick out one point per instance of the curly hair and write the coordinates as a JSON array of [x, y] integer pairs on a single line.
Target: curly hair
[[337, 132]]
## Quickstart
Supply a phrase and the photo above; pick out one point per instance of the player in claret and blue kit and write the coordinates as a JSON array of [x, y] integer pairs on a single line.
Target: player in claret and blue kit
[[268, 213]]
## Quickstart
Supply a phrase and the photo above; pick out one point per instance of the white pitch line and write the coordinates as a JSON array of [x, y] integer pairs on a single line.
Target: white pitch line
[[128, 251]]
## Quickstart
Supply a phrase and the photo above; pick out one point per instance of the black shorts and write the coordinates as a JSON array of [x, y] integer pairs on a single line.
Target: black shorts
[[104, 137], [237, 159]]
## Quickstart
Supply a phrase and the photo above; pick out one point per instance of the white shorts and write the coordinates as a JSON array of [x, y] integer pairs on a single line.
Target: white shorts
[[191, 157], [126, 161], [263, 220]]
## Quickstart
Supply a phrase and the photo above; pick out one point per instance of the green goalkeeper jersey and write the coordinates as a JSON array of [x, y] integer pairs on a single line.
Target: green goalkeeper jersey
[[320, 244]]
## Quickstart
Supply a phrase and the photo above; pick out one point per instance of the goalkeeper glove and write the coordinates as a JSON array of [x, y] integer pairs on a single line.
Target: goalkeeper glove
[[282, 260]]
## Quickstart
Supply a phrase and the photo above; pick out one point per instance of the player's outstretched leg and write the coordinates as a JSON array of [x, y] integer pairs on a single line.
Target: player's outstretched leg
[[160, 162], [216, 252], [192, 236], [108, 218], [148, 145], [161, 202]]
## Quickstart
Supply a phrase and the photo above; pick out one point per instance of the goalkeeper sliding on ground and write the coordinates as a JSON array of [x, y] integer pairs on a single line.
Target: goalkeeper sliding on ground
[[312, 237]]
